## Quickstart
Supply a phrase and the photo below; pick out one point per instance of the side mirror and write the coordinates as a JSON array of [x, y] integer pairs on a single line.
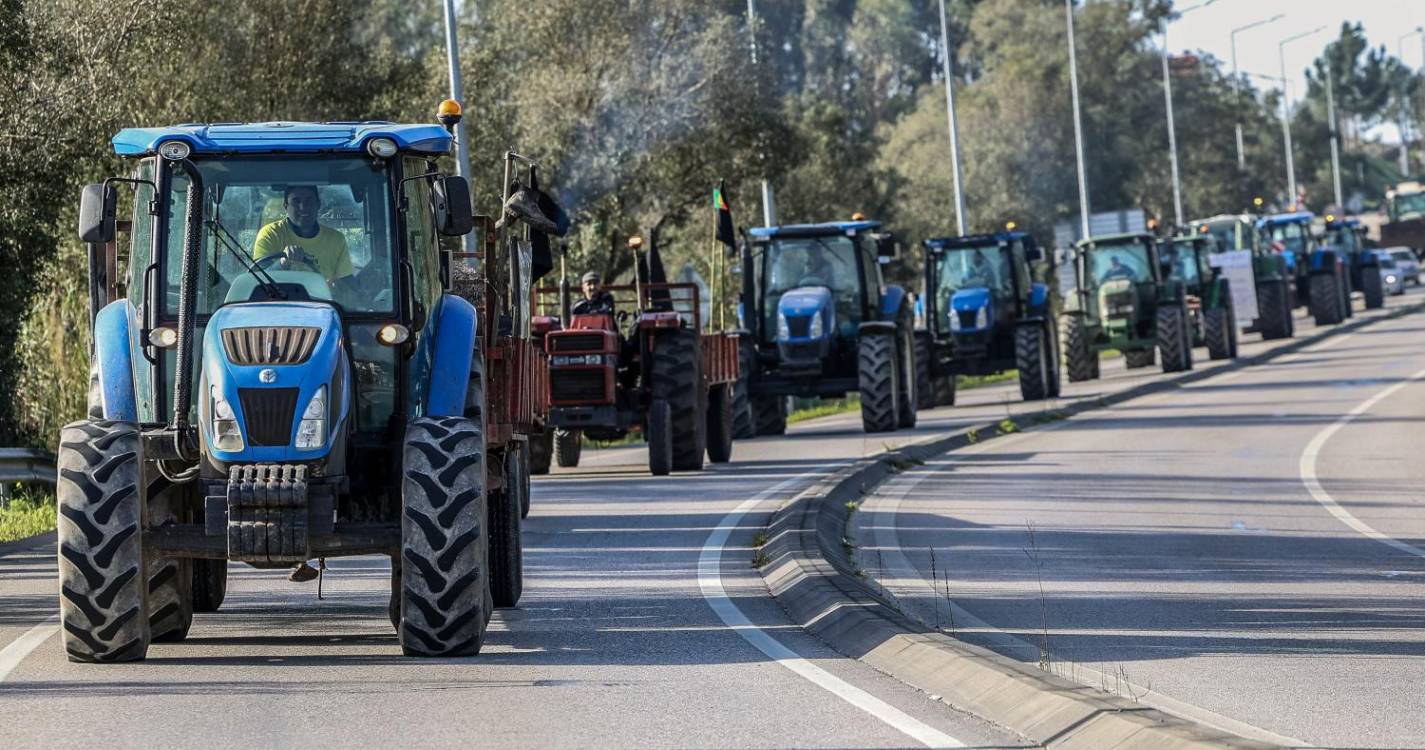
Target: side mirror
[[97, 206], [886, 245], [453, 215]]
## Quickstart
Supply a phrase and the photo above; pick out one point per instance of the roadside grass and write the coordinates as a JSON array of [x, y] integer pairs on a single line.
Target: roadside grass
[[28, 513], [632, 438]]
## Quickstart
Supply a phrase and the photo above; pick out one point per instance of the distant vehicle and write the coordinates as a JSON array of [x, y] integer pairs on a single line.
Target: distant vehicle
[[1273, 279], [1405, 218], [1346, 238], [1290, 236], [1187, 259], [1408, 264], [1392, 281]]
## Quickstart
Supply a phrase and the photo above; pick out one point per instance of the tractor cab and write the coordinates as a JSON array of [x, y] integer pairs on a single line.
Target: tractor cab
[[1232, 232], [1188, 259], [1120, 275]]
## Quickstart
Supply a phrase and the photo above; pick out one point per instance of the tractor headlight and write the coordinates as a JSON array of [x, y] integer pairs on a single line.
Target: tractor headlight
[[815, 329], [227, 436], [982, 318], [955, 323], [783, 331], [312, 430]]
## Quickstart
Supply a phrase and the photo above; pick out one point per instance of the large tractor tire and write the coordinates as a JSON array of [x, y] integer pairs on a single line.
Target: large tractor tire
[[1372, 288], [541, 451], [770, 415], [1135, 359], [1274, 318], [1056, 376], [506, 543], [1326, 299], [924, 388], [568, 446], [210, 584], [170, 579], [720, 424], [944, 386], [522, 453], [1219, 330], [659, 431], [1033, 357], [877, 365], [678, 380], [906, 397], [445, 598], [744, 422], [1174, 337], [1080, 359], [103, 592]]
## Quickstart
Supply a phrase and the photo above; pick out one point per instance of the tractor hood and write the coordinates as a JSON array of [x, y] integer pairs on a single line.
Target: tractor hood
[[274, 386], [805, 313], [805, 300], [971, 310]]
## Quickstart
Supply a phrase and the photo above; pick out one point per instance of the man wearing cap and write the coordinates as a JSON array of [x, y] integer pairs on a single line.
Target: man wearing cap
[[597, 300]]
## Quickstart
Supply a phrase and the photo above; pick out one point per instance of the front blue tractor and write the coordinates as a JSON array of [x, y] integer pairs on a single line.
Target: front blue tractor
[[1345, 238], [985, 315], [1291, 236], [820, 322], [285, 379]]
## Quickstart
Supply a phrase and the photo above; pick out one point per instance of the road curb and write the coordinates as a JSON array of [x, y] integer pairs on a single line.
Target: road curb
[[28, 543], [809, 572]]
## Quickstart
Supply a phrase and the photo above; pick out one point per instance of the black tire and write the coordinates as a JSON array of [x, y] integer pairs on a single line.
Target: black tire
[[1174, 337], [1080, 359], [1218, 330], [678, 381], [659, 432], [1274, 310], [770, 415], [1056, 378], [924, 389], [568, 447], [445, 586], [876, 359], [103, 594], [906, 397], [541, 451], [1372, 288], [720, 420], [170, 579], [1033, 358], [1135, 359], [210, 584], [744, 423], [522, 454], [1326, 299], [506, 549], [945, 390]]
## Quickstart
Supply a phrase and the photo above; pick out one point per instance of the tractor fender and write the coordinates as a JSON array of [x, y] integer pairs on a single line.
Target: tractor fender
[[876, 328], [1038, 304], [452, 355], [891, 302], [114, 359], [1323, 261]]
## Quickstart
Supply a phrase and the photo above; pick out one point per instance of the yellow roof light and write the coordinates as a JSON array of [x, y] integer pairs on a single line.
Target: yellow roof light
[[1009, 226], [1257, 201], [1330, 218], [635, 242], [858, 216], [448, 113]]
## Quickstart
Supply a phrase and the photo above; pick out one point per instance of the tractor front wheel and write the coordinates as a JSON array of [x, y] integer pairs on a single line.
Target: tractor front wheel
[[1174, 337], [678, 381], [1274, 310], [1135, 359], [720, 419], [541, 451], [1033, 360], [945, 390], [876, 358], [744, 422], [659, 432], [770, 414], [1326, 299], [1372, 288], [906, 376], [924, 389], [1219, 331], [1079, 357], [568, 446]]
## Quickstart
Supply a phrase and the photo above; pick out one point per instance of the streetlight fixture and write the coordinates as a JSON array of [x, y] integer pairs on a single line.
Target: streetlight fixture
[[950, 115], [1078, 126], [1237, 85], [1404, 120], [1286, 114], [1172, 131]]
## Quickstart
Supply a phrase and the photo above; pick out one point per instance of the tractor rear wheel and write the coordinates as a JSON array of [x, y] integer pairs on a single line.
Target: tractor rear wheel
[[1218, 330], [541, 451], [522, 453], [1326, 299], [744, 422], [659, 431], [445, 586], [770, 415], [1372, 288], [720, 424], [876, 358], [1033, 360], [1174, 337], [924, 389], [1274, 310], [103, 592], [568, 446], [1079, 357], [1134, 359], [906, 376], [678, 381], [506, 543], [210, 584], [945, 390], [170, 579]]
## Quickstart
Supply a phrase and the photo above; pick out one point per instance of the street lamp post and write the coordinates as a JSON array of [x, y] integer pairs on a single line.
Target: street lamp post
[[1335, 136], [1237, 85], [1286, 115], [1172, 130], [960, 221], [1404, 119], [769, 207], [457, 92], [1078, 126]]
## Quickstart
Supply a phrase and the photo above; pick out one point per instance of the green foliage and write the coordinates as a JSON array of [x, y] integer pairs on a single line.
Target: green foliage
[[26, 514]]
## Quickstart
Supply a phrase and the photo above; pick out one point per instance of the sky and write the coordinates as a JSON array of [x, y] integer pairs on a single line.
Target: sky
[[1209, 28]]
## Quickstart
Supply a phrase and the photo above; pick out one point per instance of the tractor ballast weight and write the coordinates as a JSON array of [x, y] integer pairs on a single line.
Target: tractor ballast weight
[[985, 314], [270, 404], [1117, 297], [819, 322], [1213, 320], [1269, 310]]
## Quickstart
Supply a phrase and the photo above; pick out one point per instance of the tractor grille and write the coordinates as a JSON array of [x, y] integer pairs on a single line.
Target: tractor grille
[[799, 327], [589, 342], [268, 413], [967, 319], [569, 386], [269, 346]]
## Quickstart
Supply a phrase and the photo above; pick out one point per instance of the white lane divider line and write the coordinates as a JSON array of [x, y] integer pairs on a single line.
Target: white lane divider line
[[710, 581], [18, 649], [1319, 493]]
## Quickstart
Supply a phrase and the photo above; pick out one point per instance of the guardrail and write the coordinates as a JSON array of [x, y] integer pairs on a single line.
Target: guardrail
[[24, 465]]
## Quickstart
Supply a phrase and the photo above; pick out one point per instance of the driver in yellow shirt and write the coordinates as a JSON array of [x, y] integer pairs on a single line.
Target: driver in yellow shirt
[[305, 243]]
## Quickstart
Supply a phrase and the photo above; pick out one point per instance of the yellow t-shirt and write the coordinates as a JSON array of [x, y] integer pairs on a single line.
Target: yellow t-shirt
[[328, 247]]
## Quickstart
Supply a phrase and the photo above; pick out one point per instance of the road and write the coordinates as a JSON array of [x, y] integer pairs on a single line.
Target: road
[[1246, 550], [643, 625]]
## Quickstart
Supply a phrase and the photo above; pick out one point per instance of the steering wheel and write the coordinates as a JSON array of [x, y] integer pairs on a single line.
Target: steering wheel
[[287, 258], [622, 316]]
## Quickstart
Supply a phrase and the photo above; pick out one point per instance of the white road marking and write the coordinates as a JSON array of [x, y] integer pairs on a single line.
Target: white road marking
[[710, 581], [18, 649], [1319, 493]]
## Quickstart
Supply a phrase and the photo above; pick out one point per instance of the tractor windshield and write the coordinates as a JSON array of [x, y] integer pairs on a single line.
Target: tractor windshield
[[1127, 259], [1407, 206], [828, 262], [1180, 262], [1342, 235], [1231, 234], [967, 267], [1291, 237], [316, 228]]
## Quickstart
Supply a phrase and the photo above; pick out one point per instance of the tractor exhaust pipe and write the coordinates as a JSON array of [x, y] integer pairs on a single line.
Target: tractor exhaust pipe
[[184, 445]]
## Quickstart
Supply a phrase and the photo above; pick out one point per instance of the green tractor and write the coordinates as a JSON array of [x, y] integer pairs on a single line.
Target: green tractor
[[1116, 297], [1265, 296], [1188, 259]]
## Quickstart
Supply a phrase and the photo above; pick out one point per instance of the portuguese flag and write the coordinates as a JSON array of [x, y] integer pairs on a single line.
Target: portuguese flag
[[725, 232]]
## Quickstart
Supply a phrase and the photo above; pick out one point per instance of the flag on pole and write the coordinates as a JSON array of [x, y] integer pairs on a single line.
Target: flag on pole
[[725, 232]]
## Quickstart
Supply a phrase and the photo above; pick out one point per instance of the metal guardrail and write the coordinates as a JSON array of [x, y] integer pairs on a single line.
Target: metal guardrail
[[24, 465]]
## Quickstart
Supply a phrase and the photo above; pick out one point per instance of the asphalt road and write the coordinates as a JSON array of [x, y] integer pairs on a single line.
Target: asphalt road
[[643, 625], [1248, 550]]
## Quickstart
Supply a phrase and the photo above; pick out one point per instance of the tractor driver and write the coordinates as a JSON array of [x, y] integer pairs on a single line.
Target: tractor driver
[[301, 240], [1116, 270], [597, 300], [817, 270], [981, 272]]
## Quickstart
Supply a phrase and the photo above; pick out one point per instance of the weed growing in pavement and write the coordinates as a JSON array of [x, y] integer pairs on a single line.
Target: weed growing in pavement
[[900, 462], [760, 540], [1007, 426], [848, 545], [852, 506], [935, 605], [760, 558], [1045, 660], [972, 435]]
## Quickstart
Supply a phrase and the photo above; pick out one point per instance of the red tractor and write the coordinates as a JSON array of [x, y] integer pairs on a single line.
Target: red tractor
[[647, 367]]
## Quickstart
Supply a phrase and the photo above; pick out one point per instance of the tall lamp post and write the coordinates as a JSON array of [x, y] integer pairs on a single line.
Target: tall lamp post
[[769, 207], [1237, 85], [1286, 114], [950, 115], [1078, 126], [1335, 136], [457, 92], [1172, 130], [1404, 105]]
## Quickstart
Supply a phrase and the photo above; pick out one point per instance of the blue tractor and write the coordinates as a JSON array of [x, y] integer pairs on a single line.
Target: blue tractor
[[985, 314], [820, 322], [280, 375], [1290, 235], [1345, 241]]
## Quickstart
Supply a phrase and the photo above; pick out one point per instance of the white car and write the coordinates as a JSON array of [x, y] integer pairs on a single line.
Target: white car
[[1407, 263], [1392, 281]]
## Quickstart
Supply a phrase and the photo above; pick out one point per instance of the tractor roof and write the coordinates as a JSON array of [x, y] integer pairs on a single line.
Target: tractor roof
[[1116, 239], [1299, 217], [1223, 217], [824, 229], [283, 137], [974, 240]]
